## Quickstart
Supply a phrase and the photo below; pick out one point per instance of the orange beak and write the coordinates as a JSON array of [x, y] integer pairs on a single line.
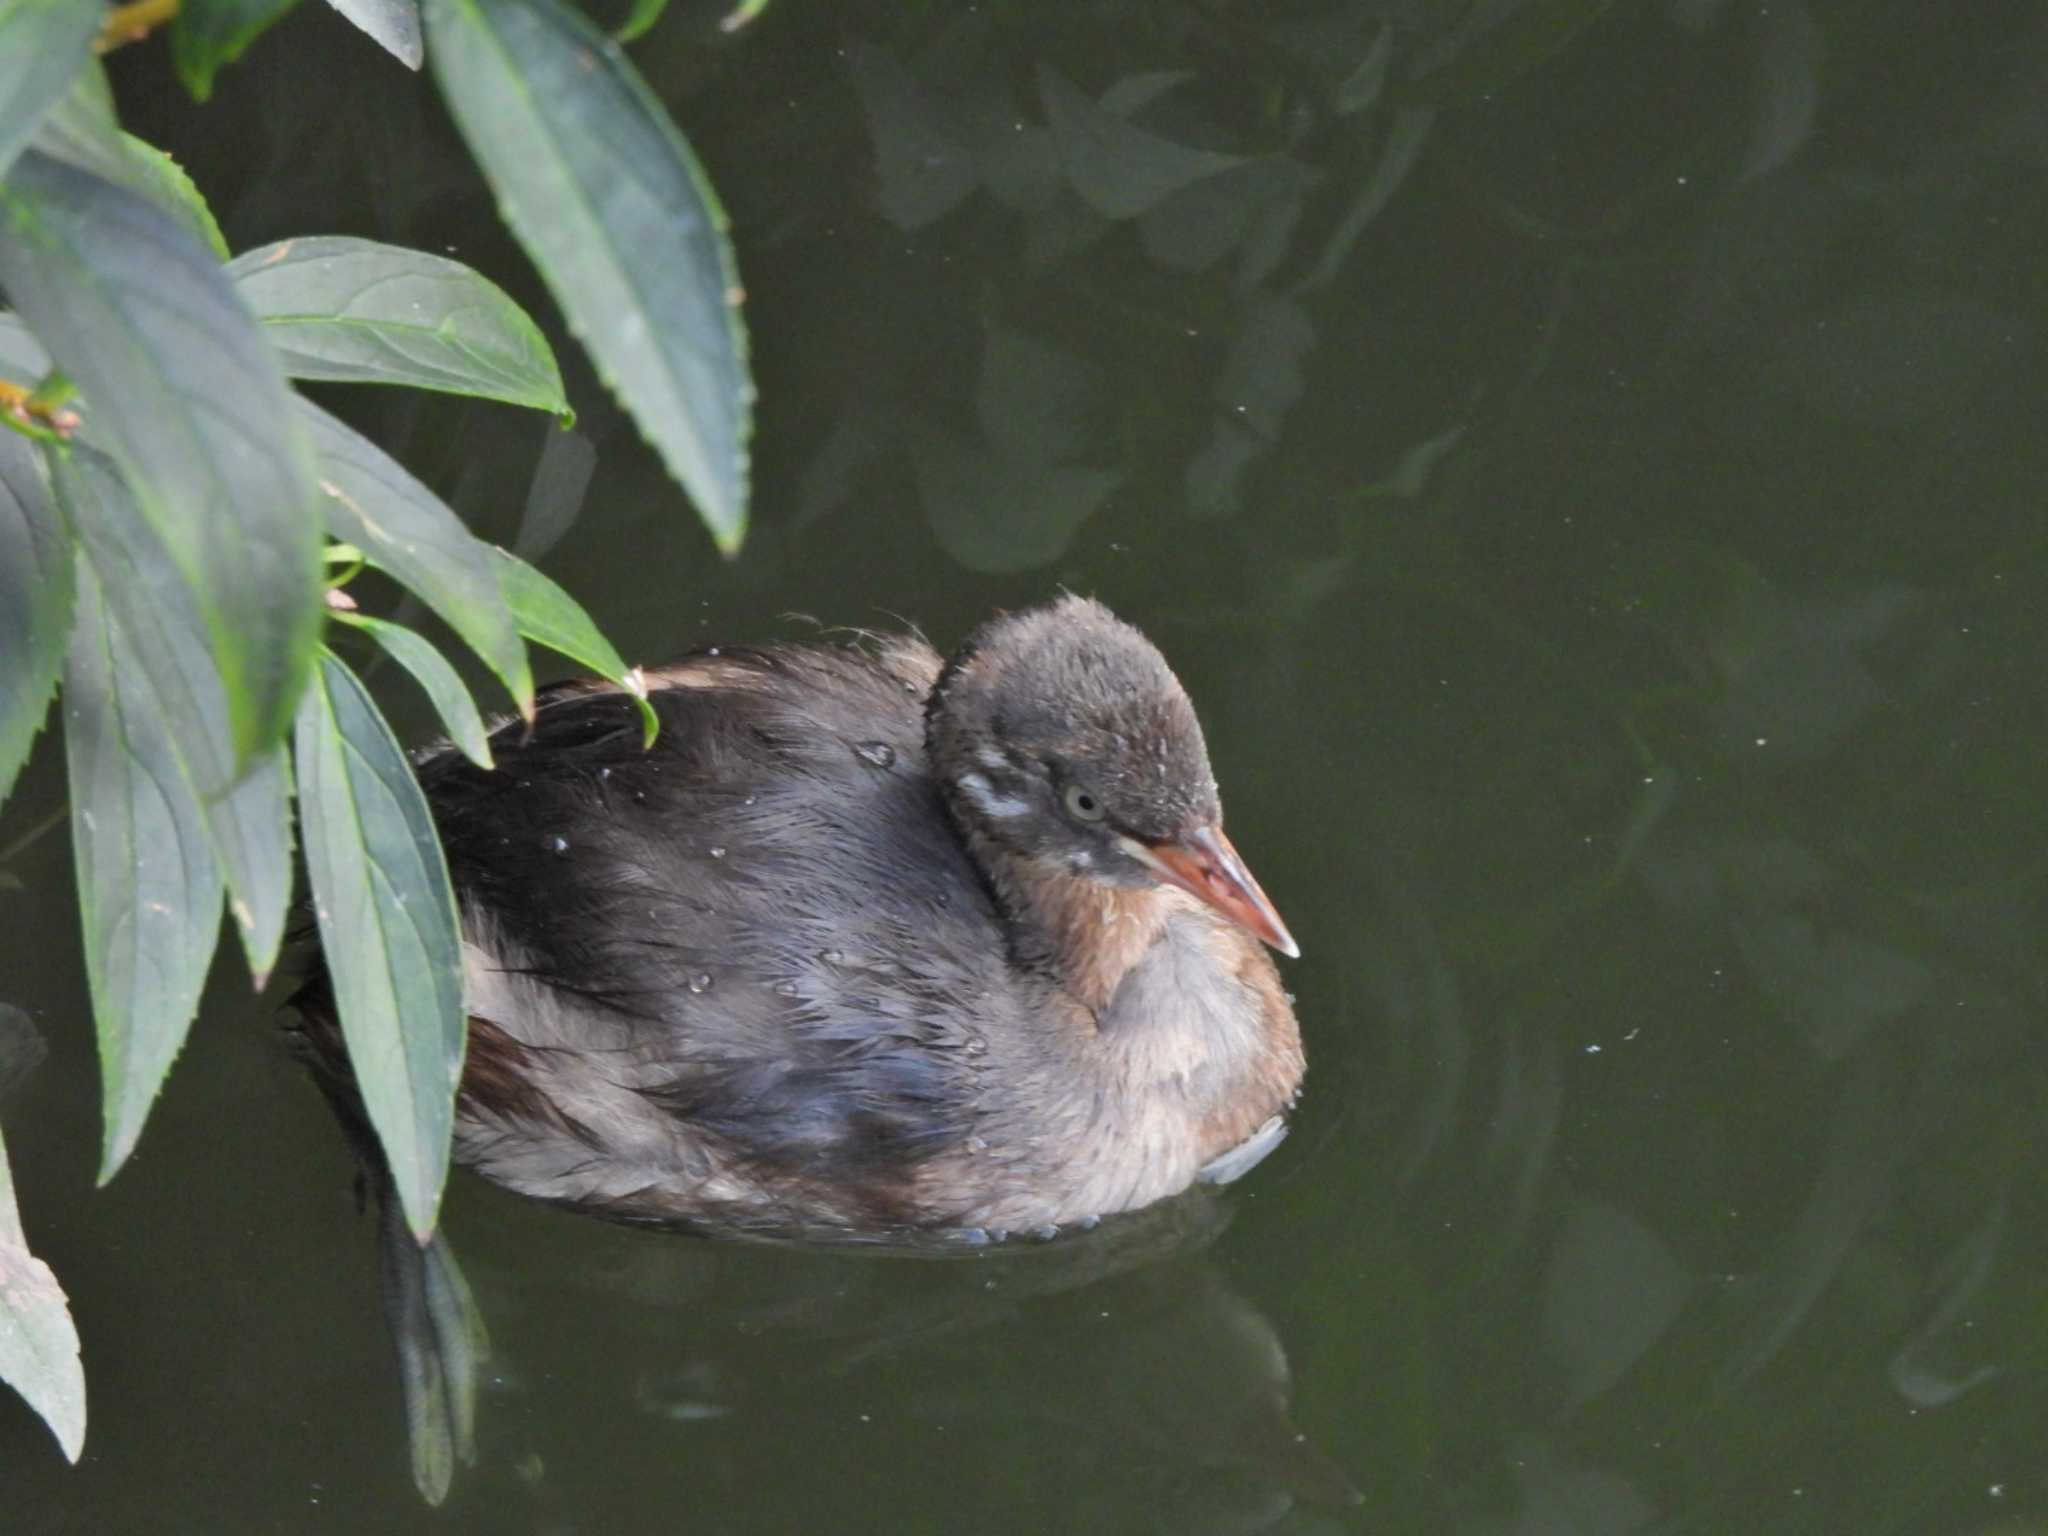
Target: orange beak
[[1205, 866]]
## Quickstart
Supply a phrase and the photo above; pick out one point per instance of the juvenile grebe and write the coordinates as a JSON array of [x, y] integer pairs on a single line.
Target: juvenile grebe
[[870, 942]]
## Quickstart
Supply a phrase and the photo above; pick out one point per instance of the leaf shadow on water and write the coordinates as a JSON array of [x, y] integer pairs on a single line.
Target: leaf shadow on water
[[1122, 1355], [1730, 1236], [22, 1050], [1674, 1135], [972, 145]]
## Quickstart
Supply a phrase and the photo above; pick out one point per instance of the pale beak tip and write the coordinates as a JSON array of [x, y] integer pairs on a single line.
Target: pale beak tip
[[1286, 945]]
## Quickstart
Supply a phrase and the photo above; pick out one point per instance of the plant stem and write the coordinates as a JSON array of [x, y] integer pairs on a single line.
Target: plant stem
[[33, 835], [351, 561], [132, 22], [55, 390], [27, 413]]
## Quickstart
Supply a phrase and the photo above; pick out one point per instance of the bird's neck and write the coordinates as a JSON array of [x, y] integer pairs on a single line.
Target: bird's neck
[[1085, 935], [1180, 1042]]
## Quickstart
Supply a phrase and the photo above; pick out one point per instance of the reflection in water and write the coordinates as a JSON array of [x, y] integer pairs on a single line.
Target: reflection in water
[[22, 1049], [1588, 460], [1121, 1356]]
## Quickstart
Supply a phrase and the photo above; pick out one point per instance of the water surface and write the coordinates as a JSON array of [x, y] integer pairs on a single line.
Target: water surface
[[1593, 481]]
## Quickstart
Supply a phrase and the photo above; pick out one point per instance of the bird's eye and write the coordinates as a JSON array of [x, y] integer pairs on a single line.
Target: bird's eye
[[1081, 805]]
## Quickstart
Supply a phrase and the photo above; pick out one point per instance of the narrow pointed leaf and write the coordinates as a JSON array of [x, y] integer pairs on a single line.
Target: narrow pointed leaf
[[409, 533], [35, 600], [82, 130], [364, 313], [610, 203], [38, 1342], [430, 669], [80, 125], [551, 617], [164, 182], [184, 387], [149, 887], [43, 45], [388, 927], [208, 34], [393, 24], [247, 817]]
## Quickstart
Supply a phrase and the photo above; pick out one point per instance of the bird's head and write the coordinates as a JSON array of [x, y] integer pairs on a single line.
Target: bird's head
[[1062, 738]]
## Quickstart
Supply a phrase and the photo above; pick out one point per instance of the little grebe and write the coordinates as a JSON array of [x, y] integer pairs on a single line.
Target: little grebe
[[868, 942]]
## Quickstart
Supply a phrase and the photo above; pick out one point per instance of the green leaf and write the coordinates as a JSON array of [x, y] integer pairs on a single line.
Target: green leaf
[[83, 131], [394, 24], [613, 208], [164, 182], [248, 817], [364, 313], [640, 20], [431, 671], [210, 33], [38, 1342], [35, 600], [149, 886], [551, 617], [388, 928], [43, 45], [406, 531], [21, 356], [182, 383]]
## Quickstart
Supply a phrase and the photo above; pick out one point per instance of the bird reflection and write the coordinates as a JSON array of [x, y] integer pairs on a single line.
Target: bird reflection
[[1140, 1388]]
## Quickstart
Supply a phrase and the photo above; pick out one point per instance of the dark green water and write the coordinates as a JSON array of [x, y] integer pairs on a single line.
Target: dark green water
[[1595, 485]]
